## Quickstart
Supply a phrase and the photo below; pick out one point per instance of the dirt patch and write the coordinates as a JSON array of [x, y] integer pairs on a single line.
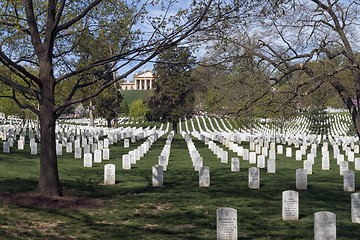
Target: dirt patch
[[35, 200]]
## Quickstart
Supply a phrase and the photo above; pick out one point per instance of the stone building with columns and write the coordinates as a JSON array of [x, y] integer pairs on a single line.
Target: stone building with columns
[[142, 81]]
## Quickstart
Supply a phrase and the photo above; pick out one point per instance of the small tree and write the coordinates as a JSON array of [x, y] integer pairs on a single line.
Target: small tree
[[107, 105], [138, 110], [173, 96]]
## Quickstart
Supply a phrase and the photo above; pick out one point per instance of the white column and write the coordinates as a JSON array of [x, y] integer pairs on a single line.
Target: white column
[[151, 80], [145, 83], [140, 84]]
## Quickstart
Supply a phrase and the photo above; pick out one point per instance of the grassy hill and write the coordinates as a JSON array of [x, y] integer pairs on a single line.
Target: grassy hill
[[133, 95]]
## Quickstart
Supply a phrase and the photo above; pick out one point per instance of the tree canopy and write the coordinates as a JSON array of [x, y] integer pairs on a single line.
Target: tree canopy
[[173, 96]]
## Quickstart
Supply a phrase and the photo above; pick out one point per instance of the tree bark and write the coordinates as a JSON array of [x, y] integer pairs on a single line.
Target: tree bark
[[49, 183]]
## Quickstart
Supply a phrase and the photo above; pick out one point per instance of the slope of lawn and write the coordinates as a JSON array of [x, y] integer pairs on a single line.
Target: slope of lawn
[[178, 210]]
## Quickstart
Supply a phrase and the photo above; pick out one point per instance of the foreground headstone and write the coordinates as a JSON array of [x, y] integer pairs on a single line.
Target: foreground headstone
[[157, 176], [204, 177], [226, 224], [254, 178], [324, 226], [109, 174], [355, 207], [290, 205]]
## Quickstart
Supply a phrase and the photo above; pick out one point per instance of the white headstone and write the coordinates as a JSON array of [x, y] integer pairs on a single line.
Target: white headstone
[[204, 177], [261, 161], [324, 226], [69, 147], [6, 147], [245, 154], [109, 174], [349, 181], [126, 164], [344, 165], [288, 152], [97, 156], [126, 143], [301, 179], [235, 164], [355, 207], [224, 157], [226, 224], [106, 154], [254, 178], [357, 163], [271, 166], [87, 160], [77, 152], [308, 166], [157, 176], [252, 159], [290, 205]]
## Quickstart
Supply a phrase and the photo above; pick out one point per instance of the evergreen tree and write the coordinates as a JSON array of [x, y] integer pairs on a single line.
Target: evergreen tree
[[173, 96]]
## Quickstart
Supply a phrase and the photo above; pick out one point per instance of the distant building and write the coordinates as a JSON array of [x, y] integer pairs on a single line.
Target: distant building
[[142, 81]]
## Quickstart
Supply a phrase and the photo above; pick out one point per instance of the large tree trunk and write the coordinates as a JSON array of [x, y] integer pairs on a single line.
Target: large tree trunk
[[49, 183]]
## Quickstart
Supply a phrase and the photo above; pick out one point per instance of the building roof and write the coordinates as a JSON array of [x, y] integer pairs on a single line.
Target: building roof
[[146, 74]]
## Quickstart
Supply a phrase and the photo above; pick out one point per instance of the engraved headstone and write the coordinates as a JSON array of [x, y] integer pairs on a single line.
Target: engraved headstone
[[308, 166], [157, 176], [290, 205], [33, 148], [301, 179], [126, 164], [126, 143], [226, 224], [298, 155], [344, 165], [204, 177], [97, 156], [224, 157], [271, 166], [288, 152], [109, 174], [87, 160], [355, 207], [245, 154], [254, 178], [280, 149], [357, 163], [261, 161], [69, 147], [324, 226], [77, 152], [252, 159], [349, 181], [235, 164], [6, 147], [106, 154]]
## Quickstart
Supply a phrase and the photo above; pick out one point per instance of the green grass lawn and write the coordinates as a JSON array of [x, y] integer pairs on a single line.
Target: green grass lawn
[[132, 95], [178, 210]]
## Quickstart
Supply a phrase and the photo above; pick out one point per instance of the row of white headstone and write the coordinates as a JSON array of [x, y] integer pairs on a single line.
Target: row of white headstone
[[324, 221]]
